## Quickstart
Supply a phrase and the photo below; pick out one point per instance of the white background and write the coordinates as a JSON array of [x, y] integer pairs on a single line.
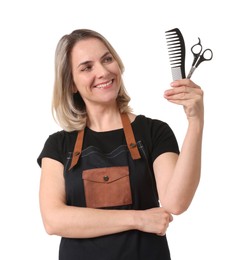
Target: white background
[[217, 225]]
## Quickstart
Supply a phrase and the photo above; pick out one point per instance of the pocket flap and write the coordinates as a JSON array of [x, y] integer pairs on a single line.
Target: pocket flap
[[105, 175]]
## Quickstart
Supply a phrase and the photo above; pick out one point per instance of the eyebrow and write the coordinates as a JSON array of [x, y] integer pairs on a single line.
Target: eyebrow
[[88, 61]]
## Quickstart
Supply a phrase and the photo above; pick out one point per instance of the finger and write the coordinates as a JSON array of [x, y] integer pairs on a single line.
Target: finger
[[184, 82], [174, 91], [181, 97], [183, 93], [179, 93]]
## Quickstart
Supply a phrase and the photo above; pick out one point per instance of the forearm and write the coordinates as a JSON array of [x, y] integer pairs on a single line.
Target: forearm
[[78, 222]]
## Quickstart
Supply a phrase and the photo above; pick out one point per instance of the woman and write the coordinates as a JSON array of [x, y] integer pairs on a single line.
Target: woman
[[105, 175]]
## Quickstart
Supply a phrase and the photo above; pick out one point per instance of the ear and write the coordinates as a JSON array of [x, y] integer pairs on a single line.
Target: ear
[[74, 89]]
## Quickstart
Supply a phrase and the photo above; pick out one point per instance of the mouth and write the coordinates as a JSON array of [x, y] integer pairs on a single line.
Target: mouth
[[104, 85]]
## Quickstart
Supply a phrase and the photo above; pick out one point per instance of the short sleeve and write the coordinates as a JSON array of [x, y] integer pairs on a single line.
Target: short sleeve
[[163, 139], [52, 148]]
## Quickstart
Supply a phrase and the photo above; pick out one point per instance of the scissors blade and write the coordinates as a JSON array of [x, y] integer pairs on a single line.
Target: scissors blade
[[193, 68]]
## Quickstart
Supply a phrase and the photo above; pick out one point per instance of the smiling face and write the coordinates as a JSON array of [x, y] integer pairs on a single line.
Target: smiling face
[[96, 73]]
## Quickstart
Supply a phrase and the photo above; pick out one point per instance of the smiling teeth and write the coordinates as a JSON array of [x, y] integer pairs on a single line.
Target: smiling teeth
[[104, 85]]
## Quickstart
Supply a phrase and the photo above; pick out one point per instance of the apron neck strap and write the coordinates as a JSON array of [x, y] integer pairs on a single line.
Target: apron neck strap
[[130, 140], [77, 148]]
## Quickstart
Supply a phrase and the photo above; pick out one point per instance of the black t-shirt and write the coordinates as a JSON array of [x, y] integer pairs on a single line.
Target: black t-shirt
[[153, 137], [157, 135]]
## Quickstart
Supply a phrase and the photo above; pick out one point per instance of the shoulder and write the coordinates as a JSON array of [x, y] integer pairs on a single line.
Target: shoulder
[[151, 124], [156, 134], [58, 145], [61, 137], [150, 129]]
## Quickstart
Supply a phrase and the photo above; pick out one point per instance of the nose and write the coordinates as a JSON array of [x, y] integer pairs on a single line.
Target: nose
[[101, 70]]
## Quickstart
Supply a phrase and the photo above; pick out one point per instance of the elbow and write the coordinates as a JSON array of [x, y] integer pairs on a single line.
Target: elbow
[[50, 228], [53, 220], [51, 225], [176, 208]]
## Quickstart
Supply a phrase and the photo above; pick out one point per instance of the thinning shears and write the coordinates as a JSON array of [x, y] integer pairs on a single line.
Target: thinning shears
[[199, 56]]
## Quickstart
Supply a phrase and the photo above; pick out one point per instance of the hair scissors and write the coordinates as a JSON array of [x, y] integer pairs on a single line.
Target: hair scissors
[[199, 56]]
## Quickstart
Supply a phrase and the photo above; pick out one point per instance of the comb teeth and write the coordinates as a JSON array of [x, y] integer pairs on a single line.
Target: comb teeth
[[176, 51]]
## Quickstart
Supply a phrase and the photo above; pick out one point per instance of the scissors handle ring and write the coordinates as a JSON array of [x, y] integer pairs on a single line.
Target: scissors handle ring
[[205, 56], [202, 57], [197, 46]]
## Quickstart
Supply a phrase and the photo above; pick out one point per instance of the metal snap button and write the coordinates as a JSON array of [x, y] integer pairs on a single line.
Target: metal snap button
[[106, 178]]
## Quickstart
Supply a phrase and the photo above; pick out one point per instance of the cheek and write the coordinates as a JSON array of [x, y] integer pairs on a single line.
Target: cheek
[[81, 82], [119, 81], [118, 73]]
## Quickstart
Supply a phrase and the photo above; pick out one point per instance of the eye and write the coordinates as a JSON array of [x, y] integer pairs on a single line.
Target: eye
[[108, 59], [87, 68]]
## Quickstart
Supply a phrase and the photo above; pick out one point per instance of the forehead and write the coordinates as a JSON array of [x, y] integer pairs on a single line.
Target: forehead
[[88, 50]]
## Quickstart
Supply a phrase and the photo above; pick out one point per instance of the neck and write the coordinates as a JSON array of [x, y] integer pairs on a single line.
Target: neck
[[104, 119]]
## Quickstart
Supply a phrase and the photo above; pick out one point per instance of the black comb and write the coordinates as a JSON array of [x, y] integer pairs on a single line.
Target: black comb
[[177, 52]]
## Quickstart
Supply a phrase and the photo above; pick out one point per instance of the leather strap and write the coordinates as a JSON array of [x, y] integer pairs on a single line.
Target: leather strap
[[77, 148], [130, 140]]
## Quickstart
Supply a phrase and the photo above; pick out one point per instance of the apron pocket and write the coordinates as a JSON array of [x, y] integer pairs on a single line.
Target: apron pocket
[[107, 187]]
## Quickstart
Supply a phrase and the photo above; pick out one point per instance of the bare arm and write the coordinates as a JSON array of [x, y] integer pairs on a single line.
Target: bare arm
[[77, 222], [178, 177]]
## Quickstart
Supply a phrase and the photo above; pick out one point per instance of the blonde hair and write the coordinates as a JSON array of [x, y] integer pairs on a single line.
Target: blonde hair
[[68, 108]]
